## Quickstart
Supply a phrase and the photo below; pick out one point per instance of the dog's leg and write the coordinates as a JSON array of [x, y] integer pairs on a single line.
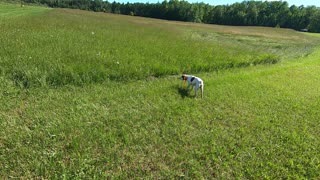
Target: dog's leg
[[196, 91], [202, 86]]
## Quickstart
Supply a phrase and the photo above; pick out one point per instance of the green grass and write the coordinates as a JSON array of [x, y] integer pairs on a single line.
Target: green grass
[[15, 10], [255, 122], [42, 50]]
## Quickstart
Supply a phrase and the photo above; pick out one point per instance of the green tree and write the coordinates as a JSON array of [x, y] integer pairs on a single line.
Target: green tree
[[252, 13], [314, 25]]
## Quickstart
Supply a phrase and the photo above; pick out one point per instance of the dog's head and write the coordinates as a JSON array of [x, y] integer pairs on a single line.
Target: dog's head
[[184, 77]]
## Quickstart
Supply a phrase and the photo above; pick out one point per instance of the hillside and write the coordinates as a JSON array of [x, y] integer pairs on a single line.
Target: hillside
[[113, 47], [245, 13], [95, 95]]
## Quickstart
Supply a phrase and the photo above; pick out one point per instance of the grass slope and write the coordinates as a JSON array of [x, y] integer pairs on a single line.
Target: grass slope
[[15, 10], [254, 122], [42, 50]]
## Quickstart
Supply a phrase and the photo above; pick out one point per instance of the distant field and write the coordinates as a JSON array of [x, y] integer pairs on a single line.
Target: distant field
[[15, 10], [96, 96], [62, 46]]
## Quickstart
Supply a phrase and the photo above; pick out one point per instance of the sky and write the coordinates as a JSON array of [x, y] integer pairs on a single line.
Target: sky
[[220, 2]]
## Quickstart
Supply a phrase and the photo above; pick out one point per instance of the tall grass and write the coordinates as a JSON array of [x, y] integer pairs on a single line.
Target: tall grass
[[61, 47]]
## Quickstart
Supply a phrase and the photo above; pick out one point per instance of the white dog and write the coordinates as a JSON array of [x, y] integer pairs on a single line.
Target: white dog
[[194, 81]]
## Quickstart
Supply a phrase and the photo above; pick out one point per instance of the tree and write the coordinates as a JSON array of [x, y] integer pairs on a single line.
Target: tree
[[314, 25], [252, 13]]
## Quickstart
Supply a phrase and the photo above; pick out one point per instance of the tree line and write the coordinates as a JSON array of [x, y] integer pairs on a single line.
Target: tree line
[[246, 13]]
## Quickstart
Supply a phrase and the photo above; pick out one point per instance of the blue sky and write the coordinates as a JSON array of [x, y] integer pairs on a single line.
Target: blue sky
[[219, 2]]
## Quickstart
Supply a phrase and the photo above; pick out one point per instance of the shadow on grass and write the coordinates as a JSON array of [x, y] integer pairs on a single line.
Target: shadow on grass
[[184, 92]]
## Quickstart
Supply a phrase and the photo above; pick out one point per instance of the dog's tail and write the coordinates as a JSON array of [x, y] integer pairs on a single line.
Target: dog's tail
[[201, 87]]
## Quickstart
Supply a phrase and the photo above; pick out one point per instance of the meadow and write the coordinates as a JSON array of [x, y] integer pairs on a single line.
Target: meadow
[[95, 95], [42, 50]]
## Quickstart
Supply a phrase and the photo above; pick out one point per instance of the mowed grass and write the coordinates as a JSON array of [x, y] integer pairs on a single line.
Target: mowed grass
[[254, 122]]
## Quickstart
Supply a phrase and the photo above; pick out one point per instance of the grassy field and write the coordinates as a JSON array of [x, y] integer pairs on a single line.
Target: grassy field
[[42, 50], [82, 98]]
